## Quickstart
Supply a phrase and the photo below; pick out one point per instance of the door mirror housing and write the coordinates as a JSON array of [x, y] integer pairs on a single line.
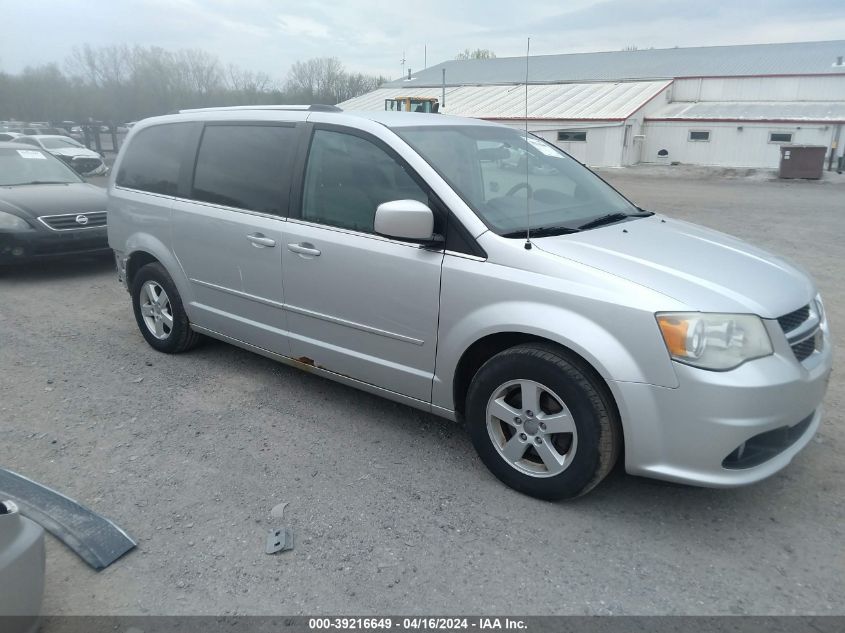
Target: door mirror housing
[[405, 220]]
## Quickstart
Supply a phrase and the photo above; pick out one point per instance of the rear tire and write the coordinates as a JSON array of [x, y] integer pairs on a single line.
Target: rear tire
[[543, 422], [159, 311]]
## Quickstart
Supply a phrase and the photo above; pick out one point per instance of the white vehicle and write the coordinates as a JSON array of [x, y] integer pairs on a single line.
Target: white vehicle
[[83, 160]]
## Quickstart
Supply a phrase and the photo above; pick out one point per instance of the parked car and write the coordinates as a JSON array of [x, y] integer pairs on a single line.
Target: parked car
[[53, 131], [46, 209], [9, 136], [22, 565], [374, 249], [83, 160]]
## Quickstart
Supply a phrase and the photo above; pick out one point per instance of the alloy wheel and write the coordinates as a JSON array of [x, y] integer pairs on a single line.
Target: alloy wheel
[[156, 310], [531, 428]]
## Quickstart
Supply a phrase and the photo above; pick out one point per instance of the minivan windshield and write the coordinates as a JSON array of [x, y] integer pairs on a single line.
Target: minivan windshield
[[500, 174], [30, 166]]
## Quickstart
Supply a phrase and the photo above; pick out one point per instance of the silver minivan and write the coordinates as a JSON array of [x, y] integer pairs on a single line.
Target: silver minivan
[[412, 256]]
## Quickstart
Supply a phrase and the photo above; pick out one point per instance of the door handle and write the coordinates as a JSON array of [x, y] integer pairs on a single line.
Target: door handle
[[260, 240], [304, 248]]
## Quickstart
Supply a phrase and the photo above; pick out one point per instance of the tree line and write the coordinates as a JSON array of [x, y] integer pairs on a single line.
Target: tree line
[[122, 83]]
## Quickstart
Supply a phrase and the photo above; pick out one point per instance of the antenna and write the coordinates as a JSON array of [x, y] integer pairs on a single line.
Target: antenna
[[402, 61], [527, 156]]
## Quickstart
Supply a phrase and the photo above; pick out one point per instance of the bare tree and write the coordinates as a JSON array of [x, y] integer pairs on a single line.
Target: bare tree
[[83, 63], [478, 53], [247, 81], [201, 71], [317, 79], [123, 83]]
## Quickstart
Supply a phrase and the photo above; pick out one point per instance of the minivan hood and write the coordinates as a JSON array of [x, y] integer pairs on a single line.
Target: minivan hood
[[705, 269]]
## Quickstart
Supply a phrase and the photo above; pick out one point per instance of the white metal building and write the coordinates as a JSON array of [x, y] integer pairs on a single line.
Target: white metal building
[[725, 105]]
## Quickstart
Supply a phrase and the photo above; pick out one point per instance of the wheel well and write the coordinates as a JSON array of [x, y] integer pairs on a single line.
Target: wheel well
[[485, 348], [479, 353], [137, 260]]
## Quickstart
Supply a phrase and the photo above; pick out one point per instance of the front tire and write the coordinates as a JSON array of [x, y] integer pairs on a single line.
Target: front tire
[[542, 422], [159, 311]]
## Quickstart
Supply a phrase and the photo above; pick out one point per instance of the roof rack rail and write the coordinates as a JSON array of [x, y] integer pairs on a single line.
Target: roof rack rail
[[315, 107]]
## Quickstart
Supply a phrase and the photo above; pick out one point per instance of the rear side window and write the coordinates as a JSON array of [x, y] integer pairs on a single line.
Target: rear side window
[[153, 158], [245, 166]]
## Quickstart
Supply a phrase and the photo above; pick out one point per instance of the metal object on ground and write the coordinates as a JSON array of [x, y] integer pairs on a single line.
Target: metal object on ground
[[802, 161], [279, 540], [95, 539]]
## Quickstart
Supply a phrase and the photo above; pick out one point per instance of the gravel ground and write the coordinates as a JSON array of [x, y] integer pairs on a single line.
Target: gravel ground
[[392, 510]]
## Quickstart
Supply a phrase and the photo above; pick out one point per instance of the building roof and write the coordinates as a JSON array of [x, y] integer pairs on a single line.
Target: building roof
[[797, 58], [751, 111], [615, 101]]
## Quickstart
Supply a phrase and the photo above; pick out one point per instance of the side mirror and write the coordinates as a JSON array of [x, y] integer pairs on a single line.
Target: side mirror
[[405, 220]]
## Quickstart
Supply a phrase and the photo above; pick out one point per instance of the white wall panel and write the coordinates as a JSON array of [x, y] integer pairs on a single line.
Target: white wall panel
[[730, 145]]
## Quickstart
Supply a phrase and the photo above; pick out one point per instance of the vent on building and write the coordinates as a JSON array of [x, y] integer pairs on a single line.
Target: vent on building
[[840, 62]]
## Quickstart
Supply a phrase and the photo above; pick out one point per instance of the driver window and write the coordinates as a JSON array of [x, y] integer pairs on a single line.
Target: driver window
[[347, 177]]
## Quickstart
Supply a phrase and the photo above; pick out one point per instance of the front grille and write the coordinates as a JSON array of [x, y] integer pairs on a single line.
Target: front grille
[[803, 349], [789, 322], [800, 328], [69, 222]]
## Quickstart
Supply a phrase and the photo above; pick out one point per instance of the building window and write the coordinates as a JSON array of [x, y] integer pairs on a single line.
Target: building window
[[780, 137], [572, 136], [699, 135]]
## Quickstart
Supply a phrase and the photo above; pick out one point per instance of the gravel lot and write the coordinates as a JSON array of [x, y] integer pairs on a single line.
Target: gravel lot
[[392, 510]]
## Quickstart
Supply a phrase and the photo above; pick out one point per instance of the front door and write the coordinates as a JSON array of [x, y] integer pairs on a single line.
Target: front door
[[359, 304]]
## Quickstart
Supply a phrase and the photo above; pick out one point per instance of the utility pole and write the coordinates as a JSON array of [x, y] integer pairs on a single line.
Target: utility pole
[[425, 56], [402, 61]]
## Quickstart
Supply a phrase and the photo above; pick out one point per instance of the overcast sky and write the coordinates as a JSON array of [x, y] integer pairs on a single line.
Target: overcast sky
[[371, 35]]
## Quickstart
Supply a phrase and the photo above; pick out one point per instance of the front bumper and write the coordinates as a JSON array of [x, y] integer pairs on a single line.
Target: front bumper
[[708, 430], [21, 246]]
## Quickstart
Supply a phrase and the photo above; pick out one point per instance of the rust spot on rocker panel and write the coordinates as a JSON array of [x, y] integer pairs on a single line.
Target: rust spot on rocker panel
[[306, 361]]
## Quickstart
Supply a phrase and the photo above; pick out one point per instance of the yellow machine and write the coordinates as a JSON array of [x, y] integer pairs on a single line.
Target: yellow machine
[[412, 104]]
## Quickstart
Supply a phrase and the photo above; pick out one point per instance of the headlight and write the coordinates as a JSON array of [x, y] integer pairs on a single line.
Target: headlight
[[9, 222], [714, 341]]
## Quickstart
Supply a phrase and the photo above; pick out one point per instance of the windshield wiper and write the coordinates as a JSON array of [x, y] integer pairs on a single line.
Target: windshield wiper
[[543, 231], [610, 218]]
